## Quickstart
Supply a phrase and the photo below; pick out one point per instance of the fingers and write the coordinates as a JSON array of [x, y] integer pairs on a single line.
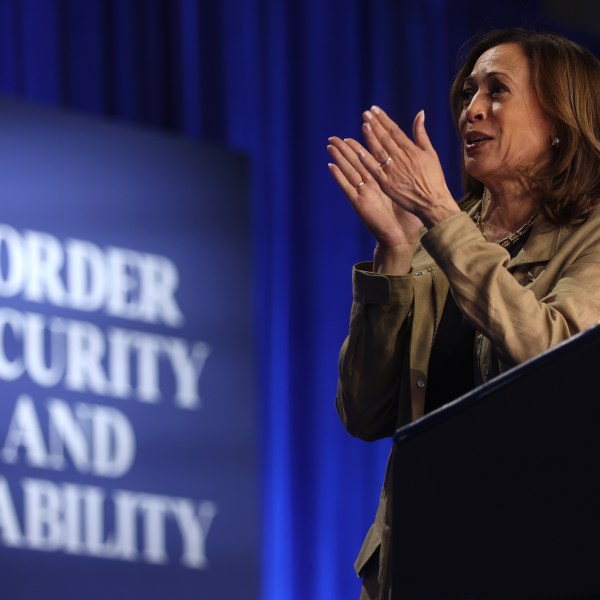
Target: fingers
[[380, 160], [383, 136], [348, 189], [420, 134], [373, 137], [346, 161], [345, 151], [348, 171], [394, 172], [368, 162], [390, 151]]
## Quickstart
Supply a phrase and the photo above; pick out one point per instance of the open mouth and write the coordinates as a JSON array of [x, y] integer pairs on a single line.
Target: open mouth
[[475, 140]]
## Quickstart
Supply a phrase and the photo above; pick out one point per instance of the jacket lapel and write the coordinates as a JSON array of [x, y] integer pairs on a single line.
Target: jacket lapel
[[541, 245]]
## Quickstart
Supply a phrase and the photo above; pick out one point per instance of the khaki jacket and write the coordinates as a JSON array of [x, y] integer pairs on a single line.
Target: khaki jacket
[[519, 308]]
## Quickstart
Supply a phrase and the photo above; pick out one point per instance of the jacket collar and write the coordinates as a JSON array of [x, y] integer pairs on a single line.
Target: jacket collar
[[542, 243]]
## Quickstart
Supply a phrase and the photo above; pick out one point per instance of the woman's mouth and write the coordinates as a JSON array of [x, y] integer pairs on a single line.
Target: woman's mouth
[[476, 140]]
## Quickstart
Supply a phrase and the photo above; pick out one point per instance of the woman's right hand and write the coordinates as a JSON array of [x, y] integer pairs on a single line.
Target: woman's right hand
[[395, 230]]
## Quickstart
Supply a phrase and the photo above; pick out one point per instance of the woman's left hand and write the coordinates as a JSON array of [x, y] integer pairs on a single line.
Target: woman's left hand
[[409, 172]]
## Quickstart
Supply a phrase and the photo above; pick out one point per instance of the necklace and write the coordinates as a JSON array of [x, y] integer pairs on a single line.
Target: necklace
[[511, 239]]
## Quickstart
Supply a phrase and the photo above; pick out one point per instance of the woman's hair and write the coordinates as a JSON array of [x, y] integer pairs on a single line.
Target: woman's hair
[[565, 78]]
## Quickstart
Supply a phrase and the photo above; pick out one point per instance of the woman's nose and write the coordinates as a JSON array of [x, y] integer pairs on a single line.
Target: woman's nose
[[476, 111]]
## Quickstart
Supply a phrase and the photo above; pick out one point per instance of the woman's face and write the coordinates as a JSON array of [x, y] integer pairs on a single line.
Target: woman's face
[[502, 124]]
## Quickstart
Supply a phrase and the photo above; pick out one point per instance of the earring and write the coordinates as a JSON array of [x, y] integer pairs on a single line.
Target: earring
[[555, 142]]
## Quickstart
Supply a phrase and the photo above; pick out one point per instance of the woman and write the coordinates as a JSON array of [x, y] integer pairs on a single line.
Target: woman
[[457, 293]]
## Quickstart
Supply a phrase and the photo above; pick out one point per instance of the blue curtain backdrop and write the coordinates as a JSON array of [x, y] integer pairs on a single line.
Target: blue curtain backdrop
[[273, 79]]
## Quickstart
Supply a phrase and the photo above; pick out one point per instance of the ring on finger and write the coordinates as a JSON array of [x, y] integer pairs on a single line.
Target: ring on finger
[[357, 187], [386, 162]]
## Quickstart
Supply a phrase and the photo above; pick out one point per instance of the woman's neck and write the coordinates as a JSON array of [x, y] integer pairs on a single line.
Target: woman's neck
[[503, 214]]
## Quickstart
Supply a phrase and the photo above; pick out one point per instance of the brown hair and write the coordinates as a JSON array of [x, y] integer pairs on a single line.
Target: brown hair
[[565, 77]]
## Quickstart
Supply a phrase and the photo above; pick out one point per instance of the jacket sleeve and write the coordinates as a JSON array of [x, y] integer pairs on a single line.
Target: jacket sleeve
[[369, 377], [519, 323]]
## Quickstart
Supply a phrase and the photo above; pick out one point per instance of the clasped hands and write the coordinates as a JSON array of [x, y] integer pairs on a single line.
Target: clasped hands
[[397, 186]]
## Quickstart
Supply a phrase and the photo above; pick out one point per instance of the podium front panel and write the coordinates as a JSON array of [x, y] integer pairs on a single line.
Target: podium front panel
[[497, 495]]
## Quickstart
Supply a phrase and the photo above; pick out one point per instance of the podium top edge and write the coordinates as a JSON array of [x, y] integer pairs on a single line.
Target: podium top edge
[[577, 342]]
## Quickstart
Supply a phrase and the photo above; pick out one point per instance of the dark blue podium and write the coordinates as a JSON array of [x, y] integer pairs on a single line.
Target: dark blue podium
[[497, 495]]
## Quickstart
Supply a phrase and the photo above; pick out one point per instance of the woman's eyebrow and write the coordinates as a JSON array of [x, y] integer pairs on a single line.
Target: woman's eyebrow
[[496, 73], [472, 79]]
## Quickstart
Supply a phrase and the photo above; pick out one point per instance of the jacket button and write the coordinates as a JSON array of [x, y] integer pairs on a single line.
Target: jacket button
[[420, 383], [418, 273]]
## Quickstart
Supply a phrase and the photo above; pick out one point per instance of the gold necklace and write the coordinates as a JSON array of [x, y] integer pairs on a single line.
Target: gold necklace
[[511, 239]]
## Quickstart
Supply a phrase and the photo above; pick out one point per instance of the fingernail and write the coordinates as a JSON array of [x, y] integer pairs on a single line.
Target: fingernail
[[375, 109], [423, 111], [367, 114], [367, 127], [330, 139]]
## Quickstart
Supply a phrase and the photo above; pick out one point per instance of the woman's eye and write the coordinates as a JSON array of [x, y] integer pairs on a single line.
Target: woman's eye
[[498, 88], [467, 96]]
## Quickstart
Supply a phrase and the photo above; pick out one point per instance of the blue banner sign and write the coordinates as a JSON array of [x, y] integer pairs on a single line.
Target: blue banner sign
[[127, 390]]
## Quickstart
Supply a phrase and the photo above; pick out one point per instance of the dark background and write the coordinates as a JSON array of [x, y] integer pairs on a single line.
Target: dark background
[[273, 79]]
